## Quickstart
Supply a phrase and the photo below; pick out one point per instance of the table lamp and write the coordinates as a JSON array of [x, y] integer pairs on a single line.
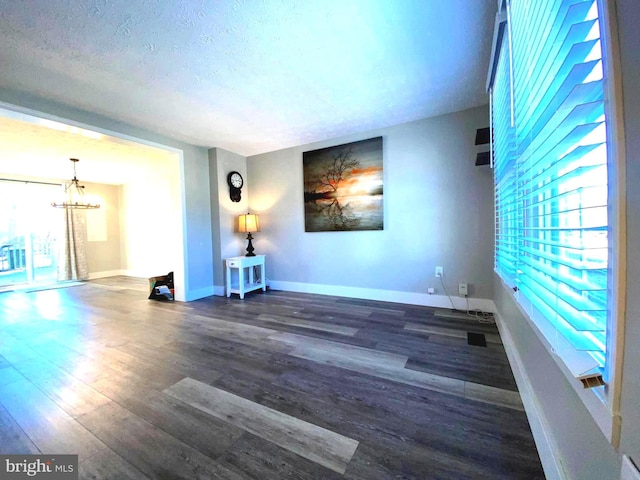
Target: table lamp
[[249, 223]]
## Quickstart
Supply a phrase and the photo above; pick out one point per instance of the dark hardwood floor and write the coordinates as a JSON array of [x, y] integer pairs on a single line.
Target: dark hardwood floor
[[278, 385]]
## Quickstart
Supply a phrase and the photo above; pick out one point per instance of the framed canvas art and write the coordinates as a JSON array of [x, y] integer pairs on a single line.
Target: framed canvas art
[[343, 187]]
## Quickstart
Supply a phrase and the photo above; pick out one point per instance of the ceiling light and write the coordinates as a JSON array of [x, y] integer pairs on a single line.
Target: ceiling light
[[74, 195]]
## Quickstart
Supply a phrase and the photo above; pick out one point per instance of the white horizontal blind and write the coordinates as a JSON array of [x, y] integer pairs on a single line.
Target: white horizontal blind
[[506, 212], [559, 160]]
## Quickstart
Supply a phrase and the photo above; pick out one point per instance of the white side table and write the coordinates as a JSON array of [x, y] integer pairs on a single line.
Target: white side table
[[246, 283]]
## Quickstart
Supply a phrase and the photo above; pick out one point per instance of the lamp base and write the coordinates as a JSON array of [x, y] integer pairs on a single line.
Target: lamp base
[[250, 247]]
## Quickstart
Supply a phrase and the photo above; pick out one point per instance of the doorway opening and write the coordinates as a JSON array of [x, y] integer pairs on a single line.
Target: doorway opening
[[141, 230]]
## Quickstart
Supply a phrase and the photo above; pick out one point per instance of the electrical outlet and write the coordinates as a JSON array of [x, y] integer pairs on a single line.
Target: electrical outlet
[[431, 290], [463, 290], [439, 272]]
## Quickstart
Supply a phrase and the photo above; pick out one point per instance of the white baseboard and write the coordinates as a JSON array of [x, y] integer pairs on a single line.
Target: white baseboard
[[218, 291], [196, 294], [139, 273], [411, 298], [542, 433], [109, 273]]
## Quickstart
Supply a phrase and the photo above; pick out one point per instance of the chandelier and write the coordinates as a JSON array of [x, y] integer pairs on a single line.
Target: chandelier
[[74, 195]]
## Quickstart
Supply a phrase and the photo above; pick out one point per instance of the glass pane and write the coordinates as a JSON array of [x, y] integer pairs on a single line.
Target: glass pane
[[13, 269], [29, 232], [43, 223]]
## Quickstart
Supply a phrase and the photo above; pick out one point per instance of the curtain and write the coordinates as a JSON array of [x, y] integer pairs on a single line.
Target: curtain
[[73, 259]]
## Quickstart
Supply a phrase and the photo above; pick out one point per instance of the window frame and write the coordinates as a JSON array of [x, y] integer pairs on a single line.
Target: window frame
[[603, 403], [617, 215]]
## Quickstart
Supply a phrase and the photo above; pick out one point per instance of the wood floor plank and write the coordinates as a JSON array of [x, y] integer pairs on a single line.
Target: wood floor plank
[[71, 394], [386, 308], [50, 428], [253, 457], [237, 332], [112, 359], [13, 440], [175, 361], [349, 353], [4, 362], [379, 461], [9, 374], [226, 356], [327, 327], [347, 309], [324, 335], [154, 452], [315, 443], [464, 323], [240, 332], [14, 351], [80, 366], [247, 309], [497, 396], [108, 465], [450, 332]]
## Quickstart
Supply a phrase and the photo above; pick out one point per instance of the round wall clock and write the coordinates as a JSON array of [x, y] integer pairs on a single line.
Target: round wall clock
[[235, 181]]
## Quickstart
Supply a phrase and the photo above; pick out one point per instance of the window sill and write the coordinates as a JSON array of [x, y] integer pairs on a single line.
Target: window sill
[[596, 400]]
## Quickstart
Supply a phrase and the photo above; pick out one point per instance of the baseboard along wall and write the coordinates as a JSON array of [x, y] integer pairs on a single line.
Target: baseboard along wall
[[542, 433], [409, 298]]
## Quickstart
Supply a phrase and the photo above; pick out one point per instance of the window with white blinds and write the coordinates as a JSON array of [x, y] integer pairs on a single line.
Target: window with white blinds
[[507, 214], [550, 170]]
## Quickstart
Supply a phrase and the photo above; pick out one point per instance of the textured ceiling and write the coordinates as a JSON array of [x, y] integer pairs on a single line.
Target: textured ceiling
[[250, 76]]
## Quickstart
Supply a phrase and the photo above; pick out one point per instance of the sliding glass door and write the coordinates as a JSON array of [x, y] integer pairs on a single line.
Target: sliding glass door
[[29, 233]]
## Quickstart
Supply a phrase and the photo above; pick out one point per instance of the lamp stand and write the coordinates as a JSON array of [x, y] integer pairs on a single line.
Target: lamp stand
[[250, 247]]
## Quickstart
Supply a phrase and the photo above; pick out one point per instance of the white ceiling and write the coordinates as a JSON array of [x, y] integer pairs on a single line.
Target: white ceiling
[[250, 76], [33, 147]]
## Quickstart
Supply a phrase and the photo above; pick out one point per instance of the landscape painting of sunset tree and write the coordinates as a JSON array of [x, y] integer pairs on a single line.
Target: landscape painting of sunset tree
[[343, 187]]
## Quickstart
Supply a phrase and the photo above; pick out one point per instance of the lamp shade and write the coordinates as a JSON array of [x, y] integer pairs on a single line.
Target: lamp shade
[[248, 223]]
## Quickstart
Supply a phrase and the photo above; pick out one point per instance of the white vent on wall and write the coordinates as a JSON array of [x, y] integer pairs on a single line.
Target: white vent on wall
[[629, 470]]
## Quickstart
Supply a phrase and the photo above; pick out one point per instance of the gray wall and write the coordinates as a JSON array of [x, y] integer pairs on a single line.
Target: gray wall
[[438, 211], [224, 212], [585, 452], [197, 221]]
